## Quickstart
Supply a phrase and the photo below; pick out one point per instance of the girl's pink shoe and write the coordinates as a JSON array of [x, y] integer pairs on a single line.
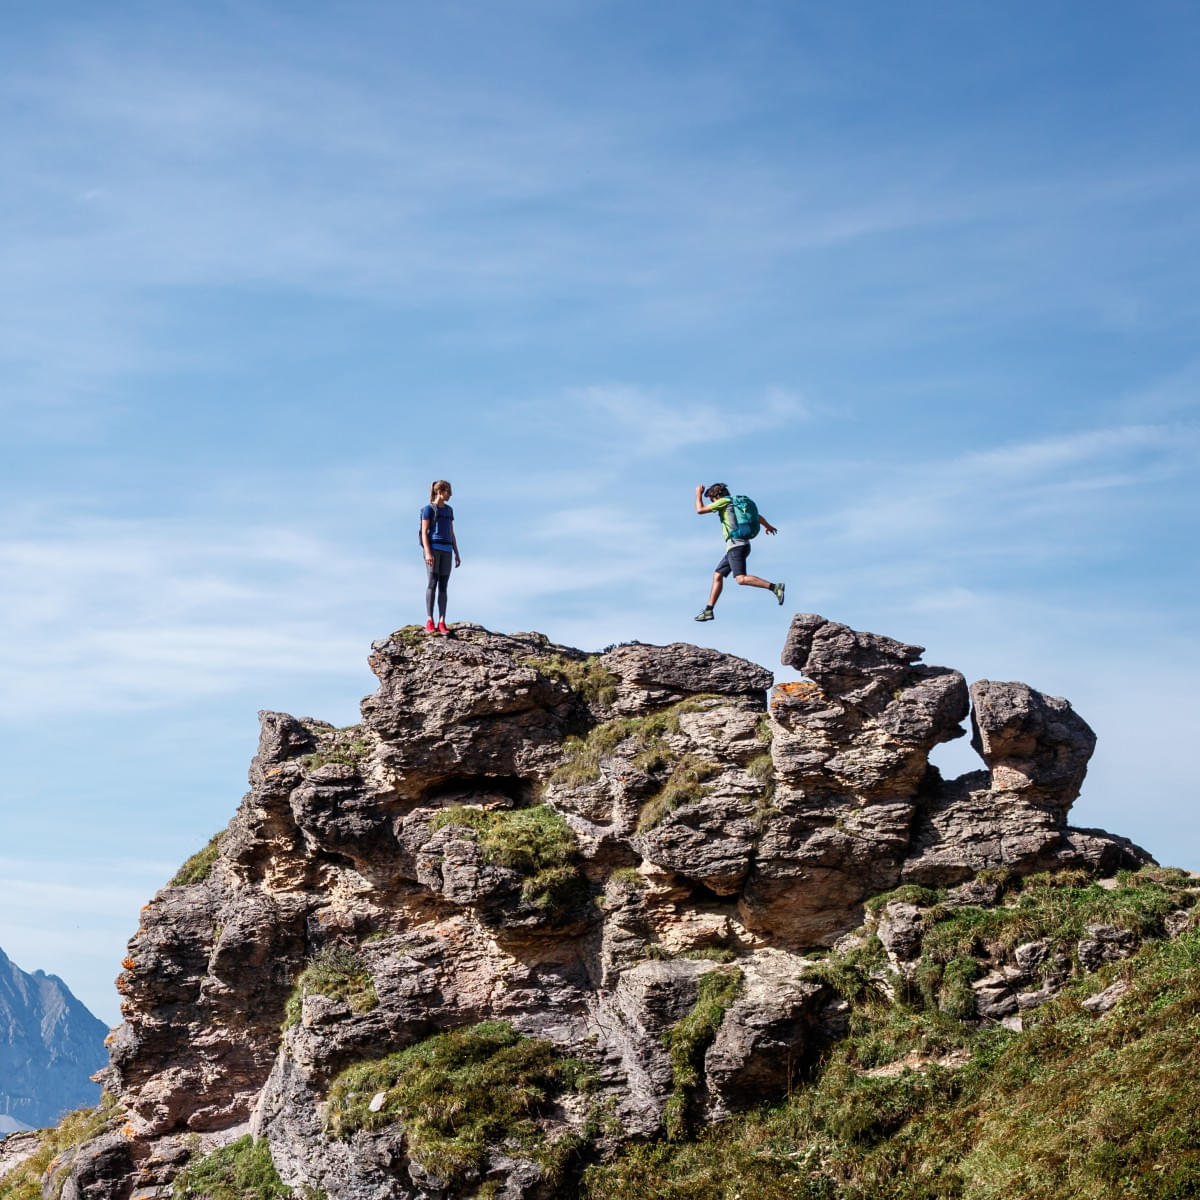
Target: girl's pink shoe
[[429, 625], [442, 627]]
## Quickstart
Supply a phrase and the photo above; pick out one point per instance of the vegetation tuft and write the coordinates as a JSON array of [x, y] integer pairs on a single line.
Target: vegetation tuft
[[586, 676], [338, 972], [535, 842], [198, 868], [411, 636], [646, 733], [629, 877], [689, 1038], [684, 785], [457, 1093], [908, 893], [242, 1170], [24, 1182]]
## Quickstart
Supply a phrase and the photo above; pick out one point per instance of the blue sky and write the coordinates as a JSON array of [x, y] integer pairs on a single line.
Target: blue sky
[[921, 279]]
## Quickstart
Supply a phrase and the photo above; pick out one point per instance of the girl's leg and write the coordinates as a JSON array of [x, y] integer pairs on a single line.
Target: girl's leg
[[443, 580], [430, 587]]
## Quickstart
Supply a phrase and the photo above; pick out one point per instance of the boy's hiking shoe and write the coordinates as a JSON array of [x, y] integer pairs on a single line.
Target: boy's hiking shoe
[[442, 627], [777, 588], [706, 614], [430, 627]]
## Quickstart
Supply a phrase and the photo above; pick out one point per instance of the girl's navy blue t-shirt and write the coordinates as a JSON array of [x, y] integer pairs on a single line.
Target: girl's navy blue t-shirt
[[440, 535]]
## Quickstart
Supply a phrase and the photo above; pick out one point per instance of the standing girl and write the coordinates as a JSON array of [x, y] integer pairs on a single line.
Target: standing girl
[[437, 540]]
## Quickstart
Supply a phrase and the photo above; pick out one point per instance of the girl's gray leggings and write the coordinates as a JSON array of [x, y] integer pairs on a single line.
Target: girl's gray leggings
[[439, 576]]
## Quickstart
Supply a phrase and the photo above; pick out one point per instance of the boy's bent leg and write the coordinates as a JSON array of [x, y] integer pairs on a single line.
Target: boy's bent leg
[[752, 581]]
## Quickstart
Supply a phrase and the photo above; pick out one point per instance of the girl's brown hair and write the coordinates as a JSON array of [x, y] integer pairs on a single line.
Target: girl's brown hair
[[435, 487]]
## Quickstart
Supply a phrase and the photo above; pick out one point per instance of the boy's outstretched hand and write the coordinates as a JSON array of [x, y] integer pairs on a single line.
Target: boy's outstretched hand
[[767, 526]]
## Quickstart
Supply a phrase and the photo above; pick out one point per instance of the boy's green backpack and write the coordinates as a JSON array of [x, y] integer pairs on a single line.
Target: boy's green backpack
[[743, 518]]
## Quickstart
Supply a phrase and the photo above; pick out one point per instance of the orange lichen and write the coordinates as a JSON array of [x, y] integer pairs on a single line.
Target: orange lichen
[[127, 963], [112, 1037], [797, 689], [128, 1130]]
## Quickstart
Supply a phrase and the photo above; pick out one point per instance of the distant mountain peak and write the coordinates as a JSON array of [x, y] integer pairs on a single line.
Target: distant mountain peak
[[50, 1045]]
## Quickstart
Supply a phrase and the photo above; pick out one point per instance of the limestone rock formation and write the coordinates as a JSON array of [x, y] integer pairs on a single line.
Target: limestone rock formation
[[614, 867]]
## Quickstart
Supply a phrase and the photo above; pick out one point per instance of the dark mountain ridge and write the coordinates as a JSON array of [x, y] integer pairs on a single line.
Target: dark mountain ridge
[[49, 1046]]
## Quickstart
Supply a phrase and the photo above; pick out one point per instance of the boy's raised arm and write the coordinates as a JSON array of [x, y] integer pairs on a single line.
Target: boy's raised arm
[[701, 507]]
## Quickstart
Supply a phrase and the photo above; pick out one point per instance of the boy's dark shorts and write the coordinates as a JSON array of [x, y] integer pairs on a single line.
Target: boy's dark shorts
[[734, 562]]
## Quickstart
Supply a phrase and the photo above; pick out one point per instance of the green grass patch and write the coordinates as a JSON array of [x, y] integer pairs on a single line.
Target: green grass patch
[[458, 1093], [344, 746], [242, 1170], [717, 954], [198, 868], [689, 1038], [535, 842], [649, 748], [629, 877], [761, 768], [24, 1182], [1059, 908], [411, 636], [587, 676], [338, 972], [851, 974], [907, 893], [684, 785]]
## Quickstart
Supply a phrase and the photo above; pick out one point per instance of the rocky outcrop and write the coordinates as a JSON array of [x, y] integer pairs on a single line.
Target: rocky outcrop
[[851, 758], [627, 857], [1015, 814]]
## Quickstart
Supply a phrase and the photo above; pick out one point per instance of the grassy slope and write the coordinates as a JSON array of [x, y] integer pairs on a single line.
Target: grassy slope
[[1077, 1106]]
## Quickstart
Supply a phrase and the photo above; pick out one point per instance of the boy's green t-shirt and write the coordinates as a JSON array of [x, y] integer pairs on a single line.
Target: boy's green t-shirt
[[721, 507]]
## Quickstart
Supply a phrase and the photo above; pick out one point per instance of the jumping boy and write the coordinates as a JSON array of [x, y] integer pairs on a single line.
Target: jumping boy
[[737, 546]]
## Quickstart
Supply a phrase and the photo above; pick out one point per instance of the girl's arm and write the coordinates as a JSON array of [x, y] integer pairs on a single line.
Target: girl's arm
[[454, 543], [425, 541]]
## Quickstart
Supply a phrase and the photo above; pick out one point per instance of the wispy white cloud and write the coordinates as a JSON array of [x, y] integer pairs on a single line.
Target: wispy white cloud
[[648, 424], [1013, 494], [111, 614]]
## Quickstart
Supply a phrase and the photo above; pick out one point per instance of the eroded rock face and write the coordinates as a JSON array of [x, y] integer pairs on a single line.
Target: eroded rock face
[[1015, 814], [851, 754], [518, 831], [1031, 742]]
